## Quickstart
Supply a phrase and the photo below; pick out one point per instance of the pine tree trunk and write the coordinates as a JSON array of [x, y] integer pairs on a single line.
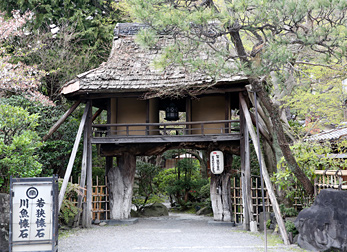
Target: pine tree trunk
[[220, 193], [273, 111], [121, 181]]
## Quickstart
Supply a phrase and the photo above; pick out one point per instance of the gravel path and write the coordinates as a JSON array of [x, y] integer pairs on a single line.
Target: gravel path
[[176, 233]]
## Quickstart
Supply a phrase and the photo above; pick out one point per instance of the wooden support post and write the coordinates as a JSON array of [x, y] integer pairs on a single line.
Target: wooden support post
[[245, 173], [89, 168], [83, 178], [147, 116], [188, 115], [60, 121], [72, 156], [265, 174]]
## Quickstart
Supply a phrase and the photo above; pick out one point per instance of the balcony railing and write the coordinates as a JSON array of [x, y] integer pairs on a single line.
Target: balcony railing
[[199, 128]]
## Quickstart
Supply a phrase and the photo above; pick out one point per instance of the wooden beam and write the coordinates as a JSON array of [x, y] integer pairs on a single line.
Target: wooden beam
[[157, 149], [265, 174], [331, 172], [72, 156], [97, 113], [60, 121], [165, 139]]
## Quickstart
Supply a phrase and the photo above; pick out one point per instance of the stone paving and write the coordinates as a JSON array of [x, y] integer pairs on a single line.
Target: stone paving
[[174, 233]]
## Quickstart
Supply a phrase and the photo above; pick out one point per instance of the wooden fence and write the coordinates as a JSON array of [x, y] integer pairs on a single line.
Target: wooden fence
[[335, 179], [236, 195], [100, 196]]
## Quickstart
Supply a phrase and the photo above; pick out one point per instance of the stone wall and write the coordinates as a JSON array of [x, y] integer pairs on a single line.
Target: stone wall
[[4, 221]]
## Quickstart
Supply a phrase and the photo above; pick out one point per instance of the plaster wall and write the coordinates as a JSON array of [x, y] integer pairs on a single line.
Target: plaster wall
[[209, 108], [132, 110]]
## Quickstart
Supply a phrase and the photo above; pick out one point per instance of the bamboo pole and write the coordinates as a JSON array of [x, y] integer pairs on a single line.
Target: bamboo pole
[[60, 121], [72, 156], [265, 174]]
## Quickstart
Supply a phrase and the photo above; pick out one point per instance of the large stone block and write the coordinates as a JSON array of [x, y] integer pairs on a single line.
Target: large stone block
[[4, 221], [323, 226], [155, 210]]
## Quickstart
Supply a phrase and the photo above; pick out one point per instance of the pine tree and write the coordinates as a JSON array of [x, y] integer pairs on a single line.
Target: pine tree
[[266, 41]]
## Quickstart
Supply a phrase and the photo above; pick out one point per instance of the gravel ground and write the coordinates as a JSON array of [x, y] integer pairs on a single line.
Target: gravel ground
[[176, 233]]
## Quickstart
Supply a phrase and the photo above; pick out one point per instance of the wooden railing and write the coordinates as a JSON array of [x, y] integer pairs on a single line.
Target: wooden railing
[[219, 127]]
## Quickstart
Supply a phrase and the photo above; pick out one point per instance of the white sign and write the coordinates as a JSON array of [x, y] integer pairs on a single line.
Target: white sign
[[217, 162], [32, 215]]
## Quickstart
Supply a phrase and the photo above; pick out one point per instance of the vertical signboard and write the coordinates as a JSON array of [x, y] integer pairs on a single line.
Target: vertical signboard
[[33, 214], [217, 162]]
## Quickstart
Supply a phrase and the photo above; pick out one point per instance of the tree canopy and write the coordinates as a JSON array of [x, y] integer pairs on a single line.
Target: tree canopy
[[18, 144], [268, 41]]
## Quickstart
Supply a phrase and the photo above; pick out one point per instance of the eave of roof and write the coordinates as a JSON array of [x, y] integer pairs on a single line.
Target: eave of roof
[[129, 69]]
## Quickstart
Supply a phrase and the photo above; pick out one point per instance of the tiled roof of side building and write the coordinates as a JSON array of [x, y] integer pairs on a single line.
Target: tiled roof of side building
[[329, 135]]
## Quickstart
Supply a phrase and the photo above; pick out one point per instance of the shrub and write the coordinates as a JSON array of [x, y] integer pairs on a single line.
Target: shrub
[[68, 208]]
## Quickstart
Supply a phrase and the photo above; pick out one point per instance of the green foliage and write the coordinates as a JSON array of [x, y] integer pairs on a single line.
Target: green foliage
[[322, 89], [69, 209], [254, 162], [288, 211], [55, 152], [18, 144], [310, 156], [145, 190], [290, 227], [268, 223], [183, 184]]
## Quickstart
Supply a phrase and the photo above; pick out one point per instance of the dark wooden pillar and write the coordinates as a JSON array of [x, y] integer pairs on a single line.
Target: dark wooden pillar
[[88, 216], [188, 114], [227, 112]]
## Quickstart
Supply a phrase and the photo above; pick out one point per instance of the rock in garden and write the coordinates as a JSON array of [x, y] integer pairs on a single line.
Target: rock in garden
[[323, 226], [204, 211], [155, 210]]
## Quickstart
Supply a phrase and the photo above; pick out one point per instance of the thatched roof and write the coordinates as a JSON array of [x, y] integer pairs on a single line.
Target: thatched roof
[[129, 69]]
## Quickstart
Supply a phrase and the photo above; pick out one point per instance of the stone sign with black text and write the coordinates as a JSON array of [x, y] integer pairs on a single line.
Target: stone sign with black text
[[33, 210]]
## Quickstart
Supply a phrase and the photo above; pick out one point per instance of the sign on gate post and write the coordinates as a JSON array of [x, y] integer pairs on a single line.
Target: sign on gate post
[[33, 214], [217, 162]]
